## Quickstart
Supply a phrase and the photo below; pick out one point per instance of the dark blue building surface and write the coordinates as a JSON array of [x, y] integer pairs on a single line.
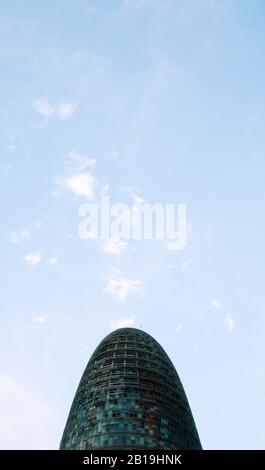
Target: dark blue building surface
[[130, 397]]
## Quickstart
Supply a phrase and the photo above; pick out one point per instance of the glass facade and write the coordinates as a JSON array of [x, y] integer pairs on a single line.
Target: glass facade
[[130, 397]]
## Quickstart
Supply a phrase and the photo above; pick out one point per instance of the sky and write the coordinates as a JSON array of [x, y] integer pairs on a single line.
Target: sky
[[160, 101]]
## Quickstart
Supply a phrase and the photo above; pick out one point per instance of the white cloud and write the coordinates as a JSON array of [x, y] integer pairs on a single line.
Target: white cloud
[[53, 260], [138, 4], [122, 322], [114, 246], [93, 63], [62, 111], [215, 303], [121, 287], [40, 319], [38, 223], [178, 329], [228, 318], [33, 258], [55, 193], [229, 321], [82, 184], [43, 107], [114, 154], [80, 58], [132, 193], [185, 265], [5, 172], [26, 421], [104, 188], [25, 234], [136, 199], [15, 237], [78, 162], [65, 110]]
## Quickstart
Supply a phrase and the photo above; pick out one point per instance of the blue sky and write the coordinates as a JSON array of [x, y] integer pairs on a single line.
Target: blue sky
[[165, 99]]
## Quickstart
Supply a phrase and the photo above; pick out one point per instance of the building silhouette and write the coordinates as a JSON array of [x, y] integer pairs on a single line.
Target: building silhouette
[[130, 397]]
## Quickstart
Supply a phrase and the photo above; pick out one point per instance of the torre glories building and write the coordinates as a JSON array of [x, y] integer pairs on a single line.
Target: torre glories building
[[130, 397]]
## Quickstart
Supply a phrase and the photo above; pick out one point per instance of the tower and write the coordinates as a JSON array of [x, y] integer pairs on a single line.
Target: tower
[[130, 397]]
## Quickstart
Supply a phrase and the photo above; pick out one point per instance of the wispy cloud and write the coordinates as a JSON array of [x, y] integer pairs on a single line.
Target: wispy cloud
[[215, 303], [15, 237], [38, 223], [104, 188], [62, 111], [185, 265], [122, 287], [228, 318], [82, 184], [132, 193], [33, 258], [93, 63], [65, 110], [40, 319], [114, 246], [43, 107], [76, 179], [54, 260], [122, 322], [5, 172], [77, 162], [229, 321], [178, 329], [139, 4]]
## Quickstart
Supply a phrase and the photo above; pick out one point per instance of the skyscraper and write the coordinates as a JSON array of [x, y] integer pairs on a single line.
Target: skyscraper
[[130, 397]]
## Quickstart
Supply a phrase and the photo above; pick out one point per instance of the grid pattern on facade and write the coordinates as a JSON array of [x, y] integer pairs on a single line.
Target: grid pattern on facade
[[130, 397]]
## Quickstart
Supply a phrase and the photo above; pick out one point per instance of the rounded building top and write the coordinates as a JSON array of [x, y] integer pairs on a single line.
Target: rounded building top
[[130, 397]]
